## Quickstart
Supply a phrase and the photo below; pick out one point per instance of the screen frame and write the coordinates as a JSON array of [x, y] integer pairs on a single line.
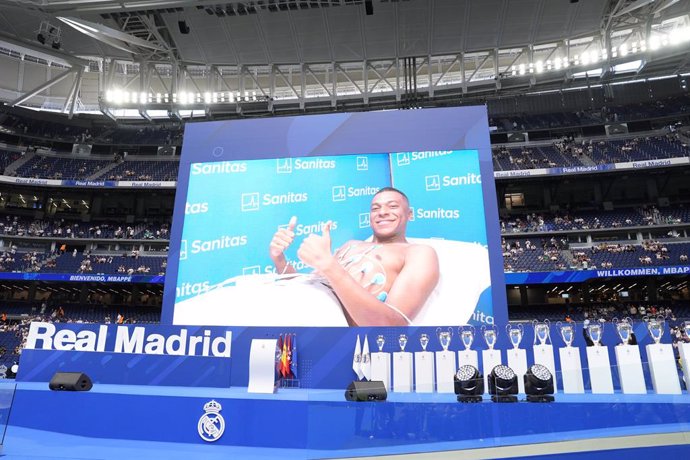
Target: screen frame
[[452, 128]]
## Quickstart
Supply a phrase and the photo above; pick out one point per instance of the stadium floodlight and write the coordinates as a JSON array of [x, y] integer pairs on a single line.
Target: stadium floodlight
[[522, 69], [503, 385], [118, 97], [539, 384], [654, 43], [207, 98], [623, 49], [594, 57], [469, 384], [540, 67]]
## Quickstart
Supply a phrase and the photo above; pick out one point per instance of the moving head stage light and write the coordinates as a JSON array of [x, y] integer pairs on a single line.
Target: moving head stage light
[[503, 384], [469, 384], [539, 384]]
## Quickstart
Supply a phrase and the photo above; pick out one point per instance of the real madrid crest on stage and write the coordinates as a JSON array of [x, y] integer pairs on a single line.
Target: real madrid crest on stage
[[211, 424]]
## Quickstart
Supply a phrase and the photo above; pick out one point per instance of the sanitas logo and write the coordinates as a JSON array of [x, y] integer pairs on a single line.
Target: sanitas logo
[[432, 183], [362, 191], [439, 213], [340, 193], [249, 202], [467, 179], [364, 220], [224, 242], [318, 163], [297, 264], [191, 289], [183, 250], [285, 198], [45, 336], [221, 167], [284, 165], [196, 208], [405, 158], [303, 229], [253, 270]]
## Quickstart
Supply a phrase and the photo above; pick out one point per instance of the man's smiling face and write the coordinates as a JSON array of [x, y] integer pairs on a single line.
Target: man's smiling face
[[389, 214]]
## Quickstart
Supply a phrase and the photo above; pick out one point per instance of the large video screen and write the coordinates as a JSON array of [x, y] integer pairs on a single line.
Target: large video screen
[[300, 221]]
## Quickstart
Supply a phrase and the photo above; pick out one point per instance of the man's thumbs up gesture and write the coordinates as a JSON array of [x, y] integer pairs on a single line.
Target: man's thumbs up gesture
[[315, 250], [282, 239]]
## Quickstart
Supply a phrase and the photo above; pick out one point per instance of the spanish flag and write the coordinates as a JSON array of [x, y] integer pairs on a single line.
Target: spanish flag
[[284, 369]]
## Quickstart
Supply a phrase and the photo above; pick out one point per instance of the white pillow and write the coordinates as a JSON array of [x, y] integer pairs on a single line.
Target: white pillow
[[464, 275]]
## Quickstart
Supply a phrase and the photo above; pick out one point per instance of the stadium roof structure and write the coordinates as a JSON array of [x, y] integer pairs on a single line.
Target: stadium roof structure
[[180, 58]]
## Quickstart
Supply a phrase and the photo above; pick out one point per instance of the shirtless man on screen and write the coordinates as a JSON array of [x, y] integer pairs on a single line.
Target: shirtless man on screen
[[384, 282]]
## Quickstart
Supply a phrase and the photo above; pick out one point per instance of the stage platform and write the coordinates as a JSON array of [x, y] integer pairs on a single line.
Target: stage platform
[[130, 421]]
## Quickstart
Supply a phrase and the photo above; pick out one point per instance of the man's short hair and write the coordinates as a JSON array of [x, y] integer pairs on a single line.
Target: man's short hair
[[392, 189]]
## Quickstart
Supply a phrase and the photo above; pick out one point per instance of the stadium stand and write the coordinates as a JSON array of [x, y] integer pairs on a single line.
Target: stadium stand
[[591, 220], [584, 152], [60, 228]]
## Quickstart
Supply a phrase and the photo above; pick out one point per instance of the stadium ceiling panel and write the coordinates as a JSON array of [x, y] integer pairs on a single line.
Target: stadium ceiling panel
[[259, 32], [326, 51]]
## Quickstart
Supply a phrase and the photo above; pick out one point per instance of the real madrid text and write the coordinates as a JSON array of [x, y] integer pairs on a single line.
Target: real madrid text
[[45, 336]]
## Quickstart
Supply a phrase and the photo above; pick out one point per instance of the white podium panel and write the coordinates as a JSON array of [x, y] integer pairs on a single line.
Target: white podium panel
[[490, 359], [630, 369], [600, 370], [468, 357], [684, 349], [262, 366], [517, 361], [381, 368], [402, 372], [662, 367], [445, 370], [424, 371], [543, 354], [571, 370]]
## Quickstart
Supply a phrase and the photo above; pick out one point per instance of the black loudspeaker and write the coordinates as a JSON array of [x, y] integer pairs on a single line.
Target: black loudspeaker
[[184, 28], [366, 391], [70, 381]]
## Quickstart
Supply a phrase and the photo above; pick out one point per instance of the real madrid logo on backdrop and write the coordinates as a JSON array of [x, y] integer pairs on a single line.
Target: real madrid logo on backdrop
[[211, 424]]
